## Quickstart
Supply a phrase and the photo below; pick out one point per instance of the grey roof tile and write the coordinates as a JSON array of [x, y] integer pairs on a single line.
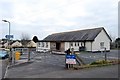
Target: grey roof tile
[[79, 35]]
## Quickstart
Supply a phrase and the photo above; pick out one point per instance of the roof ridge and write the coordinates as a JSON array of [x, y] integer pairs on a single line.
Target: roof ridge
[[77, 30]]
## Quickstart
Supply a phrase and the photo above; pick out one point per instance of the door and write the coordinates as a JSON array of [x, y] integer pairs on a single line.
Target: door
[[58, 45]]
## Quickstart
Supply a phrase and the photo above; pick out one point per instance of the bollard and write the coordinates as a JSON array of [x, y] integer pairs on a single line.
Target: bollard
[[17, 56]]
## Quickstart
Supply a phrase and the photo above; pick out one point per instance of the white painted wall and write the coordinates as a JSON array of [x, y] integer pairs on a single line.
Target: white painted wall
[[67, 45], [102, 37], [76, 48], [88, 46], [41, 47]]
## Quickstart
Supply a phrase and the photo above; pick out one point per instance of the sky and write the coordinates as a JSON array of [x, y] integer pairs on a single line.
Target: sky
[[44, 17]]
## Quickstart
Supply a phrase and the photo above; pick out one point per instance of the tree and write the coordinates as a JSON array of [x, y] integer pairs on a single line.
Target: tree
[[25, 36], [25, 39], [35, 39], [117, 41]]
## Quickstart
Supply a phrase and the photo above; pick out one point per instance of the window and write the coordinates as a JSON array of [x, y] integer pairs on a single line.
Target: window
[[46, 44], [102, 44], [71, 44], [75, 43], [81, 44], [78, 43], [42, 44], [39, 44]]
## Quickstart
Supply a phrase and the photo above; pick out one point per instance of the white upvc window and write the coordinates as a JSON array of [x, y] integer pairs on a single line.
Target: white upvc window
[[71, 43], [102, 45], [75, 44], [39, 44], [46, 44], [78, 44], [42, 44]]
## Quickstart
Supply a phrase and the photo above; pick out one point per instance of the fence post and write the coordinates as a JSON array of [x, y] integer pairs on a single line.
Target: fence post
[[13, 56], [105, 55], [72, 52], [28, 54]]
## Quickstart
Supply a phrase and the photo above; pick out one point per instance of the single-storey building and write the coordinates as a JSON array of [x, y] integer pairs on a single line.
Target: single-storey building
[[96, 39], [31, 44], [16, 44]]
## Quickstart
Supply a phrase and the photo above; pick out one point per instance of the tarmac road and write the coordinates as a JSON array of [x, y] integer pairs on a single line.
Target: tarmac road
[[41, 70], [52, 66]]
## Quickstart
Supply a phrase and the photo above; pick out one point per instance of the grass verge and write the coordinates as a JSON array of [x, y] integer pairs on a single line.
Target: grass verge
[[98, 63]]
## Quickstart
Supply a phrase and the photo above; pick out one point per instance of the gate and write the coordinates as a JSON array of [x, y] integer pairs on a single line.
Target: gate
[[22, 55]]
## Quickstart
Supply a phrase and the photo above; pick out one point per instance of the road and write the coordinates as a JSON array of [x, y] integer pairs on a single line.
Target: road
[[46, 65], [40, 70]]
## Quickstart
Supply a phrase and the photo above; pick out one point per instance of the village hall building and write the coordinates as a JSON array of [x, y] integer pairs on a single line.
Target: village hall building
[[96, 39]]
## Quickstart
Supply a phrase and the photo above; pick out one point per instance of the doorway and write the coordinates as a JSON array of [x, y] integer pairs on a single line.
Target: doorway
[[58, 45]]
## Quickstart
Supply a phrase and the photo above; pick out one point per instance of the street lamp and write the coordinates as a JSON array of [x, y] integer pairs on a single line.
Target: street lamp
[[9, 27], [8, 40]]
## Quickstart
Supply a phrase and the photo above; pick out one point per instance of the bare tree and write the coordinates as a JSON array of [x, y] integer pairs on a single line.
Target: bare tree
[[112, 37], [25, 38], [112, 44]]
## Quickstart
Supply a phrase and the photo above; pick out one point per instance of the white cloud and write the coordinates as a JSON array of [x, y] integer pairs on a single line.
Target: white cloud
[[60, 11], [50, 16]]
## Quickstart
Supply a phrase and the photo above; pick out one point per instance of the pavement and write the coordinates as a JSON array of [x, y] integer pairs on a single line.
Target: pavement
[[3, 67], [46, 65], [0, 69]]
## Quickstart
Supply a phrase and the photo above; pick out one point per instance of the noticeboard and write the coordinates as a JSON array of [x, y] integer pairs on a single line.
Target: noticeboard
[[70, 59]]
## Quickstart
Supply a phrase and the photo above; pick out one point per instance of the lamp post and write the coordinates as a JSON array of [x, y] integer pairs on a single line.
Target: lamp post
[[9, 28], [9, 40]]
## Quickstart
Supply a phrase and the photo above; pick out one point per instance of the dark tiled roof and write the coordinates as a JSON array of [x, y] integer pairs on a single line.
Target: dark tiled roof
[[79, 35]]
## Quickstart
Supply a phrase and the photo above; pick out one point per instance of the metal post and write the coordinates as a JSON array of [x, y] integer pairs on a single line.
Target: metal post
[[72, 52], [28, 54], [105, 55], [9, 44], [10, 55]]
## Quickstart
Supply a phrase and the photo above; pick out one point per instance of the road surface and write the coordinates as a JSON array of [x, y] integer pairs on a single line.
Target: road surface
[[46, 65]]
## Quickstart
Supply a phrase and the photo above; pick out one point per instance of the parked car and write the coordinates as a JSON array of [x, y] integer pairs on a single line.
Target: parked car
[[3, 54]]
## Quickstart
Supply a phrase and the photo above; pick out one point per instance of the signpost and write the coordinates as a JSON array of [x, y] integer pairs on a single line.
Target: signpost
[[9, 36], [70, 59]]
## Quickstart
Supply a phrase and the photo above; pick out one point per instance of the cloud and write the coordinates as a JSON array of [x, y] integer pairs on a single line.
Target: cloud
[[48, 16]]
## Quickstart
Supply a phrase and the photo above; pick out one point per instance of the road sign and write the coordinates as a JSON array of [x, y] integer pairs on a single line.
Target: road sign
[[70, 59], [9, 36]]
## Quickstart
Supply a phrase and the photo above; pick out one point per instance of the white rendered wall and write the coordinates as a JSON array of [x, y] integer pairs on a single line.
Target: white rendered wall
[[40, 47], [102, 37], [88, 46]]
